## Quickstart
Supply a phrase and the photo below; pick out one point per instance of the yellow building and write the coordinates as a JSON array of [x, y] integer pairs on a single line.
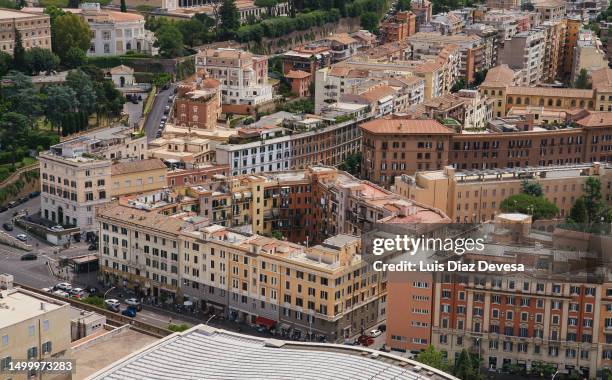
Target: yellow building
[[137, 176], [571, 40], [32, 327], [476, 196], [35, 30]]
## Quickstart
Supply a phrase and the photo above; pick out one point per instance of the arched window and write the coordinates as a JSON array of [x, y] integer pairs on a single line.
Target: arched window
[[510, 100], [558, 103]]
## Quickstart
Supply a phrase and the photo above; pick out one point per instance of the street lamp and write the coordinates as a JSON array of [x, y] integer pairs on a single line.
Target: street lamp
[[209, 319], [479, 346], [114, 287]]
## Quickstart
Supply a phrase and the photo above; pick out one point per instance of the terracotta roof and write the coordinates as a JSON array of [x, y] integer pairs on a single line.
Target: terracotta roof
[[339, 71], [210, 83], [123, 16], [406, 126], [499, 75], [428, 67], [596, 119], [297, 74], [341, 38], [549, 91], [122, 69], [376, 93], [602, 79], [142, 218], [137, 166]]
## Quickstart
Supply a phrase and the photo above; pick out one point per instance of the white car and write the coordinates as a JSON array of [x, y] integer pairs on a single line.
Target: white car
[[112, 304], [375, 333], [65, 286], [48, 290], [61, 293], [134, 302], [77, 292], [22, 237]]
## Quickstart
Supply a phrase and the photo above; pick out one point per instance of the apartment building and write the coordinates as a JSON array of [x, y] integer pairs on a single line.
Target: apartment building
[[398, 27], [137, 176], [35, 30], [554, 49], [447, 23], [32, 327], [503, 4], [308, 58], [573, 27], [418, 150], [402, 146], [490, 37], [75, 175], [198, 103], [550, 10], [183, 150], [589, 54], [476, 196], [466, 107], [243, 77], [284, 141], [525, 51]]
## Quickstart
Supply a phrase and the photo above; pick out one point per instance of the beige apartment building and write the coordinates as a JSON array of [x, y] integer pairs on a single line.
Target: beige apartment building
[[476, 196], [75, 175], [35, 30], [32, 327], [138, 176]]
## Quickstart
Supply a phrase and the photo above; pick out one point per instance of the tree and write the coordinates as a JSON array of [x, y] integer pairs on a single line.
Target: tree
[[464, 367], [83, 87], [41, 60], [537, 207], [71, 33], [433, 358], [13, 133], [352, 163], [5, 63], [21, 95], [123, 6], [230, 19], [578, 213], [74, 58], [369, 21], [582, 81], [19, 62], [169, 41], [403, 5], [192, 31], [532, 188], [60, 100]]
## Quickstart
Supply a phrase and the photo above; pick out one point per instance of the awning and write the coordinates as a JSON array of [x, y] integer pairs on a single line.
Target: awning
[[285, 326], [269, 323]]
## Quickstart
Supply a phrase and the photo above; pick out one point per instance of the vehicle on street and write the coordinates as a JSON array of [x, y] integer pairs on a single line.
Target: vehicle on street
[[92, 247], [112, 304], [61, 293], [48, 290], [134, 100], [65, 286], [92, 290], [34, 194], [57, 228], [7, 226], [375, 333], [365, 340], [13, 204], [28, 257], [129, 312], [164, 118], [133, 302], [75, 291], [3, 208], [382, 328], [22, 237], [167, 110]]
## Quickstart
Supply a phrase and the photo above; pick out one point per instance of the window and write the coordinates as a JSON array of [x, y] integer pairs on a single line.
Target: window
[[46, 348]]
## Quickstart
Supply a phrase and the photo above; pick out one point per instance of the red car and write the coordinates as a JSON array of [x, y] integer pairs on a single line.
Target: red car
[[365, 340]]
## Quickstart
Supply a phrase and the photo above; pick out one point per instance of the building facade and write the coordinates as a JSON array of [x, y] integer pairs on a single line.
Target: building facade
[[35, 30]]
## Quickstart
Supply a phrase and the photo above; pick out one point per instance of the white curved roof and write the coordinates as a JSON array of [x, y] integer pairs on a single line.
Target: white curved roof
[[208, 353]]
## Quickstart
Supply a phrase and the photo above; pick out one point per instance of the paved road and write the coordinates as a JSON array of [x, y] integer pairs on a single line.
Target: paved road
[[134, 110], [154, 117], [32, 206]]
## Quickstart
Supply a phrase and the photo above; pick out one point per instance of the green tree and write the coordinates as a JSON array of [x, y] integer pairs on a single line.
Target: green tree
[[41, 60], [537, 207], [14, 129], [352, 163], [5, 63], [83, 87], [123, 6], [230, 19], [74, 58], [582, 81], [433, 358], [169, 41], [532, 188], [20, 95], [403, 5], [578, 212], [192, 31], [369, 21], [19, 62], [464, 367], [59, 101], [71, 33]]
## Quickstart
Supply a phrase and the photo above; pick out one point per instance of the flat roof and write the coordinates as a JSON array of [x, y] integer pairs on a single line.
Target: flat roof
[[17, 305], [220, 354]]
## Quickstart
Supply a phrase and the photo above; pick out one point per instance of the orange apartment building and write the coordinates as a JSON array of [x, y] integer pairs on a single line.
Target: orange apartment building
[[198, 103], [399, 27]]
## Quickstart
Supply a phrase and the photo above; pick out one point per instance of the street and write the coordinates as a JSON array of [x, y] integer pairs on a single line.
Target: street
[[157, 111], [32, 206]]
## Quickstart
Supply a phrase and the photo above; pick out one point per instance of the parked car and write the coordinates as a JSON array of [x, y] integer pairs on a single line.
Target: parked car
[[61, 293], [34, 194], [22, 237], [28, 257], [112, 304], [167, 110], [129, 312], [77, 292], [65, 286], [375, 333], [164, 118], [93, 247], [133, 302], [7, 226], [48, 290], [24, 199], [57, 228], [134, 100], [13, 204], [3, 208], [365, 340], [92, 290], [382, 328]]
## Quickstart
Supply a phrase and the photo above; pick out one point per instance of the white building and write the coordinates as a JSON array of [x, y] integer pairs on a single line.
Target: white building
[[243, 76], [122, 76], [75, 175], [116, 33], [525, 51], [588, 54]]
